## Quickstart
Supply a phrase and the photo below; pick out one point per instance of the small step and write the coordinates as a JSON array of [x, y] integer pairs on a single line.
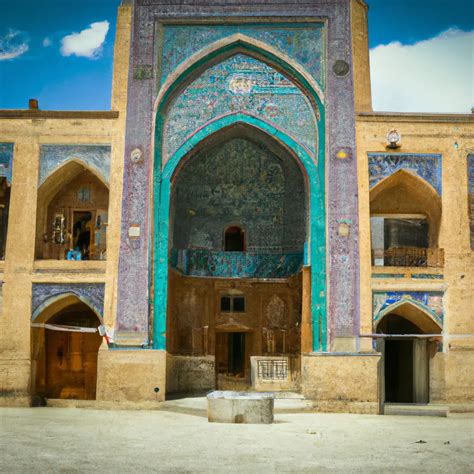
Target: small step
[[412, 409]]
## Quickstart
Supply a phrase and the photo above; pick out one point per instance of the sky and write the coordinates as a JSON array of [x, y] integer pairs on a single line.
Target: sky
[[61, 53]]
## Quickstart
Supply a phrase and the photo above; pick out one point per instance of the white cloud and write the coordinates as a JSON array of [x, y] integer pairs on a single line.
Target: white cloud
[[13, 44], [47, 42], [435, 75], [88, 43]]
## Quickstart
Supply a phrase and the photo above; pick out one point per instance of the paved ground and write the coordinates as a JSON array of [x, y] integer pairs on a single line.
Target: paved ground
[[180, 439]]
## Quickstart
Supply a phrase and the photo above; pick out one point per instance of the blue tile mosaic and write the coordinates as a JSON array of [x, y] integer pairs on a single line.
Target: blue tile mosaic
[[52, 157], [206, 263], [430, 301], [240, 84], [301, 42], [427, 167], [90, 293]]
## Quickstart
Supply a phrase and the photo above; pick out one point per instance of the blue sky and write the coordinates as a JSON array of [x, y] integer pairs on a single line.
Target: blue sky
[[44, 57]]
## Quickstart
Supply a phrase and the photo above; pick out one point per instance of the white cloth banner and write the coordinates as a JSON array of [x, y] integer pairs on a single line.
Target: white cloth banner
[[59, 327]]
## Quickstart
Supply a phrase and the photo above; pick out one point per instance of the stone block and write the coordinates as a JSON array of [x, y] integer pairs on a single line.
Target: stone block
[[240, 407]]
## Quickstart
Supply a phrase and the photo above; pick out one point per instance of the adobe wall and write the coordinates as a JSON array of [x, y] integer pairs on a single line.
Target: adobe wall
[[451, 137], [29, 130]]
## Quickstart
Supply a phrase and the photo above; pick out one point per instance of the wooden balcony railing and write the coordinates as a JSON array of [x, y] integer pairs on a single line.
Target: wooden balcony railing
[[408, 257]]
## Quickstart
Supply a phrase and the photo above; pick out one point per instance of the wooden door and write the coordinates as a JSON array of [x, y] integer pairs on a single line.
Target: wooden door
[[71, 364]]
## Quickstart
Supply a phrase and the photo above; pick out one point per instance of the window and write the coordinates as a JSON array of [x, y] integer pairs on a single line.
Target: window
[[232, 304], [234, 239]]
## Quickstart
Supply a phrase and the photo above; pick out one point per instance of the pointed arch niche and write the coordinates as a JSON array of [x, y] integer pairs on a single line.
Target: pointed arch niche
[[406, 352], [72, 213], [240, 86], [64, 363], [405, 216]]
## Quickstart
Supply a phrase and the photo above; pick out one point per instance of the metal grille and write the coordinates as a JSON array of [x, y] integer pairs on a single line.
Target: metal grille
[[273, 369]]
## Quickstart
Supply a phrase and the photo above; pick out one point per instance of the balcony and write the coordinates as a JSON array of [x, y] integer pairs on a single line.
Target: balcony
[[408, 257], [207, 263]]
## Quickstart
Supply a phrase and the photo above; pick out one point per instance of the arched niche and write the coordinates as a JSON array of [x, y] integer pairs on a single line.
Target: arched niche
[[309, 153], [72, 212], [403, 193], [63, 362], [234, 239]]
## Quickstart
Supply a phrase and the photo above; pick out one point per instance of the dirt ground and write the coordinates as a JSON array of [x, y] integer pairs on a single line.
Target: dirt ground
[[181, 440]]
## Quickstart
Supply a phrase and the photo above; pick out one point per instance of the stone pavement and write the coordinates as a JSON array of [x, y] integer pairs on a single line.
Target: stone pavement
[[178, 438]]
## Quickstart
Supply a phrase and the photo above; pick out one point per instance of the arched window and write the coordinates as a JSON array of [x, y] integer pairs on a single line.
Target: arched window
[[234, 239]]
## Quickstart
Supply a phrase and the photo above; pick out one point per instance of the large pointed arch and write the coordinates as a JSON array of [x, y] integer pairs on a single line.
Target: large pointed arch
[[218, 52], [184, 74], [316, 252]]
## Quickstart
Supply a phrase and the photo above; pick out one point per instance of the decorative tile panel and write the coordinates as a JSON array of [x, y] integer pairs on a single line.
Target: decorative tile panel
[[240, 183], [236, 264], [301, 42], [430, 301], [52, 157], [90, 293], [240, 84], [427, 167]]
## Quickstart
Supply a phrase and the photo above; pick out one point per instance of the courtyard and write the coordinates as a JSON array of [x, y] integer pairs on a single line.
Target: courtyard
[[178, 438]]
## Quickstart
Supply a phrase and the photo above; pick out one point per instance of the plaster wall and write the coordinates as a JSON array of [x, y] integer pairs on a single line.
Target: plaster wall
[[342, 382], [131, 375]]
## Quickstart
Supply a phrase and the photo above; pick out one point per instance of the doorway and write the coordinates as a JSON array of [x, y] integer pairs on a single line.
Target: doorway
[[65, 358], [405, 377], [82, 228], [231, 366], [236, 355], [399, 371]]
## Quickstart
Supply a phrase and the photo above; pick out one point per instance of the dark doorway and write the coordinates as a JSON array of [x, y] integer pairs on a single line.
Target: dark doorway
[[406, 361], [234, 239], [82, 233], [236, 361], [399, 371], [230, 354]]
